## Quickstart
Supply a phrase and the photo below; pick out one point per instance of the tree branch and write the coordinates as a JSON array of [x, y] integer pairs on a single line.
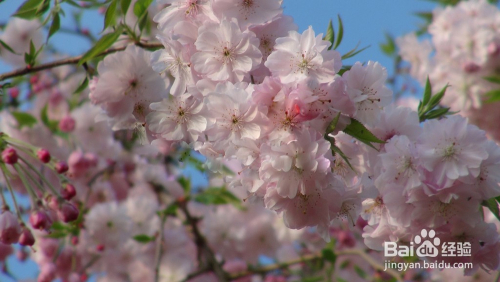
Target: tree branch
[[70, 61], [307, 258], [201, 243]]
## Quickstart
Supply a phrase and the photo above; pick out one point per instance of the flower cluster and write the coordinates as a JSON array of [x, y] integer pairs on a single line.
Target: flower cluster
[[463, 52]]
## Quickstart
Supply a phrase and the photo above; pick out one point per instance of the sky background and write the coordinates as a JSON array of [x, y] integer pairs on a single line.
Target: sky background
[[365, 22]]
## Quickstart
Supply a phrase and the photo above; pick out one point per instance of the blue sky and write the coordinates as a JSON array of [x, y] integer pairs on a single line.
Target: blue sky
[[365, 21]]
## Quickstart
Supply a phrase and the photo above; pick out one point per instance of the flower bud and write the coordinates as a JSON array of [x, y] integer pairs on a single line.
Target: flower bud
[[68, 212], [61, 167], [26, 238], [14, 92], [68, 192], [9, 156], [22, 255], [74, 240], [67, 124], [100, 248], [10, 230], [40, 220], [43, 155], [471, 67]]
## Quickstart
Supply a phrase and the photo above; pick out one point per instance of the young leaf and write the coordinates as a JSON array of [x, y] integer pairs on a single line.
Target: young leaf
[[143, 238], [217, 196], [357, 130], [24, 119], [110, 16], [389, 48], [125, 4], [354, 52], [340, 35], [6, 46], [427, 92], [493, 79], [492, 96], [28, 9], [140, 7], [101, 45], [54, 27], [492, 205], [333, 124], [82, 86], [330, 35], [329, 255]]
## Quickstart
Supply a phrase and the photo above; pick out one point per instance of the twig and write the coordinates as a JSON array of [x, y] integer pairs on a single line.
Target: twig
[[201, 243], [312, 257], [70, 61], [159, 248]]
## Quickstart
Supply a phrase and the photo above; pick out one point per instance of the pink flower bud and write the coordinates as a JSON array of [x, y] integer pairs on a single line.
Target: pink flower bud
[[43, 155], [68, 192], [14, 92], [100, 248], [40, 220], [26, 238], [471, 67], [10, 230], [67, 124], [61, 167], [9, 156], [34, 79], [68, 212]]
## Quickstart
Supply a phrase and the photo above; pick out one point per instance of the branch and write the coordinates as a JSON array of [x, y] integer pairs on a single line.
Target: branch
[[204, 249], [70, 61], [312, 257]]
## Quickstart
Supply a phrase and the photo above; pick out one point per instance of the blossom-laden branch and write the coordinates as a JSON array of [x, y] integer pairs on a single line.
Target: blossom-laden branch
[[70, 61]]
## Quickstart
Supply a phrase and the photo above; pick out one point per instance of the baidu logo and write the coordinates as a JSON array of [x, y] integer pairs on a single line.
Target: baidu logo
[[427, 245], [426, 248]]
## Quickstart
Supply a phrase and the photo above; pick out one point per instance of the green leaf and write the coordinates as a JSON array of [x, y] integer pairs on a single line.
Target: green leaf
[[340, 35], [330, 35], [492, 205], [493, 79], [82, 86], [313, 279], [437, 113], [354, 52], [427, 92], [333, 124], [125, 4], [140, 7], [185, 183], [492, 96], [143, 238], [56, 235], [28, 9], [101, 45], [54, 27], [24, 119], [217, 196], [143, 21], [6, 46], [434, 101], [171, 210], [336, 150], [389, 48], [344, 69], [329, 255], [52, 125], [110, 16], [361, 273], [427, 16], [357, 130]]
